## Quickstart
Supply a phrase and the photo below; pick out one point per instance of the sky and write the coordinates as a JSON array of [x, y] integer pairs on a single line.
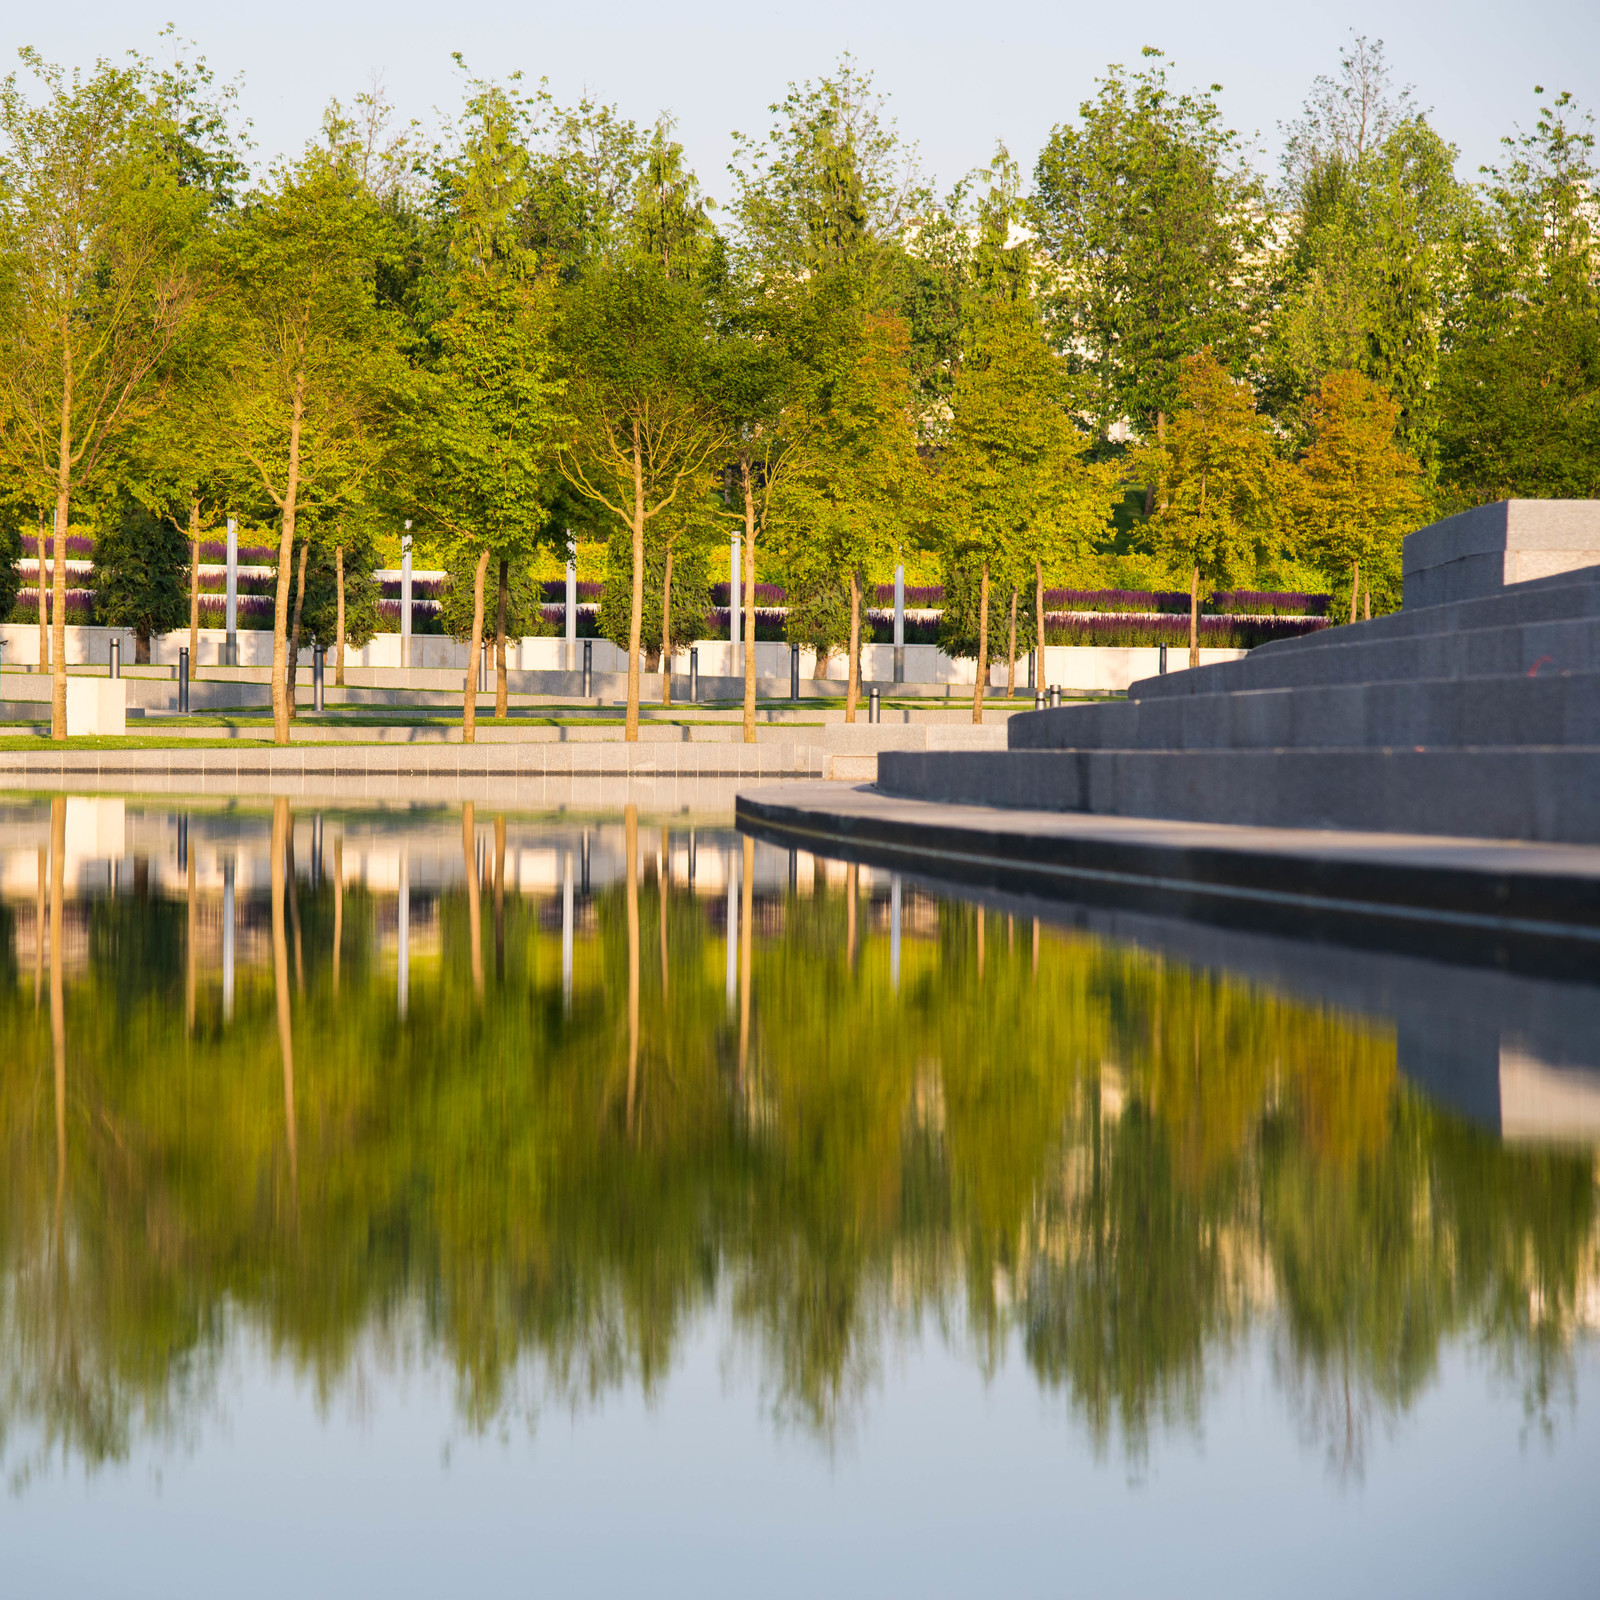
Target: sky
[[958, 77]]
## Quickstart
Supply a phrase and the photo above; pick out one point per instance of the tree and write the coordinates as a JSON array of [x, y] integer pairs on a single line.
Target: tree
[[140, 573], [487, 427], [341, 601], [1219, 482], [1520, 382], [646, 425], [98, 281], [1156, 228], [1011, 487], [311, 358], [1354, 489]]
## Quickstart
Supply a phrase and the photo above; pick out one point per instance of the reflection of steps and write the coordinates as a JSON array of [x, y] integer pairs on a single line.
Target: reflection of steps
[[1478, 717]]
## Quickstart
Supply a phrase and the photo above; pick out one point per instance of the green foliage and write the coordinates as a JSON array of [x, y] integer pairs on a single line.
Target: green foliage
[[10, 573], [1156, 228], [958, 623], [524, 599], [691, 592], [141, 573], [319, 621]]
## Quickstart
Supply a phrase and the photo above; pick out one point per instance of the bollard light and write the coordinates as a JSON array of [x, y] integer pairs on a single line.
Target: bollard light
[[588, 667], [874, 709], [1055, 694], [483, 667], [694, 672], [116, 658], [1038, 699], [183, 681], [794, 672], [1161, 666], [319, 657]]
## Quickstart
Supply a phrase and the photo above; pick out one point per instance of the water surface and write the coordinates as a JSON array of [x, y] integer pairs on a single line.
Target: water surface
[[413, 1201]]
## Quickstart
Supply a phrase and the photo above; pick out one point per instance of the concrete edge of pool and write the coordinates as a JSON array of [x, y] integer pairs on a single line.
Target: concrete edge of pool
[[1474, 897]]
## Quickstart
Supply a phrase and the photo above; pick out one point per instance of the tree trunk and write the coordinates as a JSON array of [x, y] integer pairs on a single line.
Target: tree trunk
[[1011, 649], [294, 642], [141, 647], [1194, 617], [469, 861], [194, 584], [1355, 587], [1366, 599], [750, 599], [338, 649], [983, 645], [44, 598], [280, 608], [282, 823], [666, 631], [58, 663], [630, 823], [630, 732], [853, 679], [819, 669], [469, 693], [500, 643], [1038, 618]]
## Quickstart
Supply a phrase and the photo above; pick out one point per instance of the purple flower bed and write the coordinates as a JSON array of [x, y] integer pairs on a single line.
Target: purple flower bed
[[424, 616], [1215, 633], [217, 583], [1269, 602], [421, 589], [215, 552], [79, 547], [255, 611], [556, 616], [769, 623], [555, 591], [767, 594], [79, 613], [919, 597]]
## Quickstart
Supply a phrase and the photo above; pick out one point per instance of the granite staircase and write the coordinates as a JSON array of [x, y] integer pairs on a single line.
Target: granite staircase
[[1476, 717]]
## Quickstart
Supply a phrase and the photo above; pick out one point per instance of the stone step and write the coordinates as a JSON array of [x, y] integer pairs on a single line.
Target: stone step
[[1513, 650], [1528, 793], [1553, 709]]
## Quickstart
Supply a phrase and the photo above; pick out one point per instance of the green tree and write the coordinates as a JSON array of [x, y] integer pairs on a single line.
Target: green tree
[[1156, 228], [646, 422], [487, 425], [1011, 486], [97, 282], [141, 569], [312, 360], [1355, 489], [1219, 482], [1520, 383]]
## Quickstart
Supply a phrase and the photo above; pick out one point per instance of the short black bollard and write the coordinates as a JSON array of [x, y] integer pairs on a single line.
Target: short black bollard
[[183, 681], [116, 658], [318, 658], [1162, 661], [483, 668], [1038, 699], [588, 666], [874, 709], [1055, 694], [694, 672], [794, 672]]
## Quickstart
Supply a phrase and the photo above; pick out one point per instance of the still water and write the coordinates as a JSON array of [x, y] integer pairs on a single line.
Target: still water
[[418, 1202]]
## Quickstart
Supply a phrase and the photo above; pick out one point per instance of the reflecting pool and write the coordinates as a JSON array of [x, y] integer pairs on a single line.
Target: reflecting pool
[[423, 1201]]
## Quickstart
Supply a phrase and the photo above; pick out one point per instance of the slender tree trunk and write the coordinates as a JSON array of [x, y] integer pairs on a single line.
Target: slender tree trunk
[[44, 598], [1038, 620], [853, 680], [194, 584], [469, 693], [1355, 587], [294, 642], [1194, 617], [663, 885], [500, 898], [747, 483], [282, 823], [630, 821], [983, 645], [747, 916], [338, 649], [1011, 649], [1366, 599], [666, 631], [469, 859], [58, 664], [500, 643], [191, 939], [338, 907], [280, 609], [630, 731]]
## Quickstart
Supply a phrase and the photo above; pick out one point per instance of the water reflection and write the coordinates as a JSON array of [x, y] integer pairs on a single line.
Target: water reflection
[[829, 1108]]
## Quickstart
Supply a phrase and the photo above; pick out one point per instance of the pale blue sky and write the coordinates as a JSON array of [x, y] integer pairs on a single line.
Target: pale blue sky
[[958, 76]]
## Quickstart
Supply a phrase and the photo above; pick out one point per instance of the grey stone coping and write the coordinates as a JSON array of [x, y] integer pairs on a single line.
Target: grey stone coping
[[1476, 892]]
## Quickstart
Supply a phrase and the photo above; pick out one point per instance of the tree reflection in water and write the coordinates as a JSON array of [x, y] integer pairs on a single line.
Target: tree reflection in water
[[1109, 1162]]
